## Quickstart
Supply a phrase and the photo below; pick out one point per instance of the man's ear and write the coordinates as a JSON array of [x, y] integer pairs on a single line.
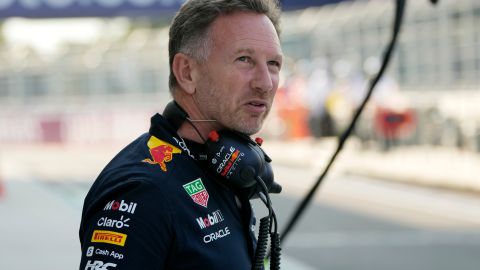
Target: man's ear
[[182, 69]]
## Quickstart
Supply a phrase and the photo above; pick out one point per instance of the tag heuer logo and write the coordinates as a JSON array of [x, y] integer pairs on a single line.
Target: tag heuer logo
[[197, 192]]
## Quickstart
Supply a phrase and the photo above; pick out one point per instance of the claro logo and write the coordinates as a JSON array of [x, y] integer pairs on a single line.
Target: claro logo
[[121, 206], [113, 223]]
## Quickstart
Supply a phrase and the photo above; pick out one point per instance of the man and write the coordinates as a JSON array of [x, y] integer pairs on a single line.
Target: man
[[155, 205]]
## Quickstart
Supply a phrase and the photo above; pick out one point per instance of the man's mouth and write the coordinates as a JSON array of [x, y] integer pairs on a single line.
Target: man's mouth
[[257, 106]]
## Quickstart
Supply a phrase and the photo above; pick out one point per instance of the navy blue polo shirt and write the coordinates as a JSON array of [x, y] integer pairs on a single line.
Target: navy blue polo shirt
[[154, 206]]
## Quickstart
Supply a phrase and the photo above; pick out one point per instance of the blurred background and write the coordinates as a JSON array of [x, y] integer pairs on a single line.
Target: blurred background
[[80, 79]]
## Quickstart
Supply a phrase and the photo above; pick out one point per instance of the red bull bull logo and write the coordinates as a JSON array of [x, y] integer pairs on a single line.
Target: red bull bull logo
[[162, 152]]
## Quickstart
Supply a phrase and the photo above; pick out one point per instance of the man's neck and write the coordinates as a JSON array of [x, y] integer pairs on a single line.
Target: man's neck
[[187, 131], [197, 127]]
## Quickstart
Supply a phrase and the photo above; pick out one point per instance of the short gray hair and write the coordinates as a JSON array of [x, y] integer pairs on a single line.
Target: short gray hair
[[189, 32]]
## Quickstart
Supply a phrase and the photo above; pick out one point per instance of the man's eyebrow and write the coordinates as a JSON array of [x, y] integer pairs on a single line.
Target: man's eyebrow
[[252, 51], [245, 50]]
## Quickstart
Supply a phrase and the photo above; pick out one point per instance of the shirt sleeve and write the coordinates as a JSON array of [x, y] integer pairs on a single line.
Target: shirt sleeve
[[131, 229]]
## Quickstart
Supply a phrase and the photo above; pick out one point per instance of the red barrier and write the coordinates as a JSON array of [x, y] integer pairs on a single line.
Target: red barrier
[[51, 130], [391, 124]]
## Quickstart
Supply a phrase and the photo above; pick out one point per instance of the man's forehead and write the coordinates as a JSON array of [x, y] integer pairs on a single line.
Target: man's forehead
[[267, 38], [245, 30]]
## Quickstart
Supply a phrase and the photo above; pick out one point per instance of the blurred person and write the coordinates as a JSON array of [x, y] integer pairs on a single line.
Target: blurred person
[[291, 102], [156, 205], [319, 85]]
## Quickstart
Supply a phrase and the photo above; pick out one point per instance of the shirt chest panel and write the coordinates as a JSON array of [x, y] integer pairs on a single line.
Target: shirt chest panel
[[211, 232]]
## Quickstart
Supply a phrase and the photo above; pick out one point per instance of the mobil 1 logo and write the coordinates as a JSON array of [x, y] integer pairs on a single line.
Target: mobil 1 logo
[[122, 206]]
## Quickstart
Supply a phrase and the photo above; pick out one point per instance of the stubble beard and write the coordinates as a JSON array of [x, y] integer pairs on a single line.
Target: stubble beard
[[236, 120], [224, 114], [246, 127]]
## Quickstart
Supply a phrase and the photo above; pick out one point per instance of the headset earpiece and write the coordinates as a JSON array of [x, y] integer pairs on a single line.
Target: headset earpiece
[[240, 160]]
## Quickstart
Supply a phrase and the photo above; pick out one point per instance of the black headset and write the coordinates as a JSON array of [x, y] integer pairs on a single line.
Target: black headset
[[232, 156]]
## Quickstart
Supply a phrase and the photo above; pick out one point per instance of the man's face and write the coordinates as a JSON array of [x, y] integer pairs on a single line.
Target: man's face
[[238, 81]]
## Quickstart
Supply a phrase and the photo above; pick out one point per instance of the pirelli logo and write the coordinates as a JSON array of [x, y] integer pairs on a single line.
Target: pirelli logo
[[109, 237]]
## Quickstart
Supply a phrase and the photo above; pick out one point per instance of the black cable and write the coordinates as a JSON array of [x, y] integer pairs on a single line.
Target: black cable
[[266, 200], [275, 251], [399, 11], [268, 226], [190, 121], [262, 242]]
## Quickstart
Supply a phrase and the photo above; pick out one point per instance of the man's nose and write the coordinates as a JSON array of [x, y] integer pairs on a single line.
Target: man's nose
[[262, 80]]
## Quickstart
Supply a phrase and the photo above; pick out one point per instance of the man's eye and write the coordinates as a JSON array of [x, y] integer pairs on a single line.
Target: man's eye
[[243, 59], [275, 63]]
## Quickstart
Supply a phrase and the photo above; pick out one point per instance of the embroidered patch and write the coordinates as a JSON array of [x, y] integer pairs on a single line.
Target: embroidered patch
[[162, 152], [197, 192]]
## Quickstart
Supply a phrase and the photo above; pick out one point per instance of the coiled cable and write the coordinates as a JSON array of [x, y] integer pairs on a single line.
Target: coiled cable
[[262, 242], [275, 251], [268, 227]]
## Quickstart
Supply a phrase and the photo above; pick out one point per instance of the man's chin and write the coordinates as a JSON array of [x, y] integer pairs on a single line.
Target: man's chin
[[250, 129], [248, 126]]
